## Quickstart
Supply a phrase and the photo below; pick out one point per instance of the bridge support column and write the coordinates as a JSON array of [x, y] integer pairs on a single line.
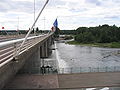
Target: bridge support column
[[49, 46], [44, 50], [35, 60], [42, 54], [33, 63]]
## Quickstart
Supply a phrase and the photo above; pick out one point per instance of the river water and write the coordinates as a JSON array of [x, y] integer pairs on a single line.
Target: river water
[[75, 56], [86, 56]]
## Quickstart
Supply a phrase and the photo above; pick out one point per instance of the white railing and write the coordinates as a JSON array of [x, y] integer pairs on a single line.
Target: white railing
[[9, 49], [88, 69], [11, 42]]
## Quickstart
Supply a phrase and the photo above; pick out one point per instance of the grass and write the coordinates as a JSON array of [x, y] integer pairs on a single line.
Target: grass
[[109, 45]]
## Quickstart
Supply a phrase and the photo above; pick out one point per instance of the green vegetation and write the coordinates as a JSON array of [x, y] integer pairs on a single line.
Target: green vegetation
[[103, 36], [57, 32], [109, 45], [67, 32], [15, 32], [66, 37], [100, 34]]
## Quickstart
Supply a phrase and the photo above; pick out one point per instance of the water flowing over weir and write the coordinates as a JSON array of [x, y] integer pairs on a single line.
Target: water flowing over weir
[[61, 63], [76, 59]]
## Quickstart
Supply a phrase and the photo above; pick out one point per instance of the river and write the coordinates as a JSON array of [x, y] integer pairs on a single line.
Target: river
[[75, 56], [86, 56]]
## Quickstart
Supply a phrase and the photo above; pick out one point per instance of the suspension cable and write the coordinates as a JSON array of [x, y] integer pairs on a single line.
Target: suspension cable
[[31, 28]]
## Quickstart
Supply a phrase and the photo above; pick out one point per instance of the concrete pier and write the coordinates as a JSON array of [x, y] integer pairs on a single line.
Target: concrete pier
[[32, 62]]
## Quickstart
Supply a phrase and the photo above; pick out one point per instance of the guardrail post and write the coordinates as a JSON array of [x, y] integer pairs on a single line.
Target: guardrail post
[[62, 70], [114, 68], [28, 43], [90, 69], [80, 69], [71, 70], [58, 69], [15, 49], [106, 69], [98, 69], [39, 70]]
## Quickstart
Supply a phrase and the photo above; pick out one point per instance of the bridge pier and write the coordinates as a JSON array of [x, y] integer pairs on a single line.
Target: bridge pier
[[45, 49], [34, 63]]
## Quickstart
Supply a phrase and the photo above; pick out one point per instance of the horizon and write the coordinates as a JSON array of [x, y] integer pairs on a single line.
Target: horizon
[[60, 29]]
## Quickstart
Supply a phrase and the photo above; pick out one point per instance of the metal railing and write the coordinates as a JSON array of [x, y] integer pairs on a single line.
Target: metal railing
[[88, 69], [52, 70], [9, 49]]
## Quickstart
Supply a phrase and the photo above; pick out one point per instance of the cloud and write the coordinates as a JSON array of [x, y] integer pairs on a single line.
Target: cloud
[[96, 2], [25, 6], [71, 13]]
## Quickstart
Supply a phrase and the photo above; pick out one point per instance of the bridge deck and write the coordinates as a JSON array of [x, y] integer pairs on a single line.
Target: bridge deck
[[65, 81]]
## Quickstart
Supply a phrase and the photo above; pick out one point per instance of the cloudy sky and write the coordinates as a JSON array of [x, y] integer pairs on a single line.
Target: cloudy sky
[[71, 14]]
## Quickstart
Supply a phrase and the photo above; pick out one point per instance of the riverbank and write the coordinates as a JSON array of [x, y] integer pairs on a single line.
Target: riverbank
[[108, 45]]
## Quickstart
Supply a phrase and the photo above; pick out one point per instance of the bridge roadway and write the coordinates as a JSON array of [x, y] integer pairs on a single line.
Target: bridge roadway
[[65, 81], [4, 38], [30, 55]]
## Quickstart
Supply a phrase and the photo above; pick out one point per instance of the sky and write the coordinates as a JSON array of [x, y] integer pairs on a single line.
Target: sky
[[71, 14]]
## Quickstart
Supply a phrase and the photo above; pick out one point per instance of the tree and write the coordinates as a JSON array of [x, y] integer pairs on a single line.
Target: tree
[[99, 34], [33, 31], [57, 32], [37, 30]]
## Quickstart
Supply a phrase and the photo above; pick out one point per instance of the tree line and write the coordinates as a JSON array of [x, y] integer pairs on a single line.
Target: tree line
[[99, 34], [14, 32]]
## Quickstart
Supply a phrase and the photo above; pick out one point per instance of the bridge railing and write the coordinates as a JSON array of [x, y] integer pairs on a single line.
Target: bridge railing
[[50, 70], [9, 49], [88, 69]]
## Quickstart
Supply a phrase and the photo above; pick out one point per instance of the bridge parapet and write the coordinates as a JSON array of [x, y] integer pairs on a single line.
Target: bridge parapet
[[9, 49]]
